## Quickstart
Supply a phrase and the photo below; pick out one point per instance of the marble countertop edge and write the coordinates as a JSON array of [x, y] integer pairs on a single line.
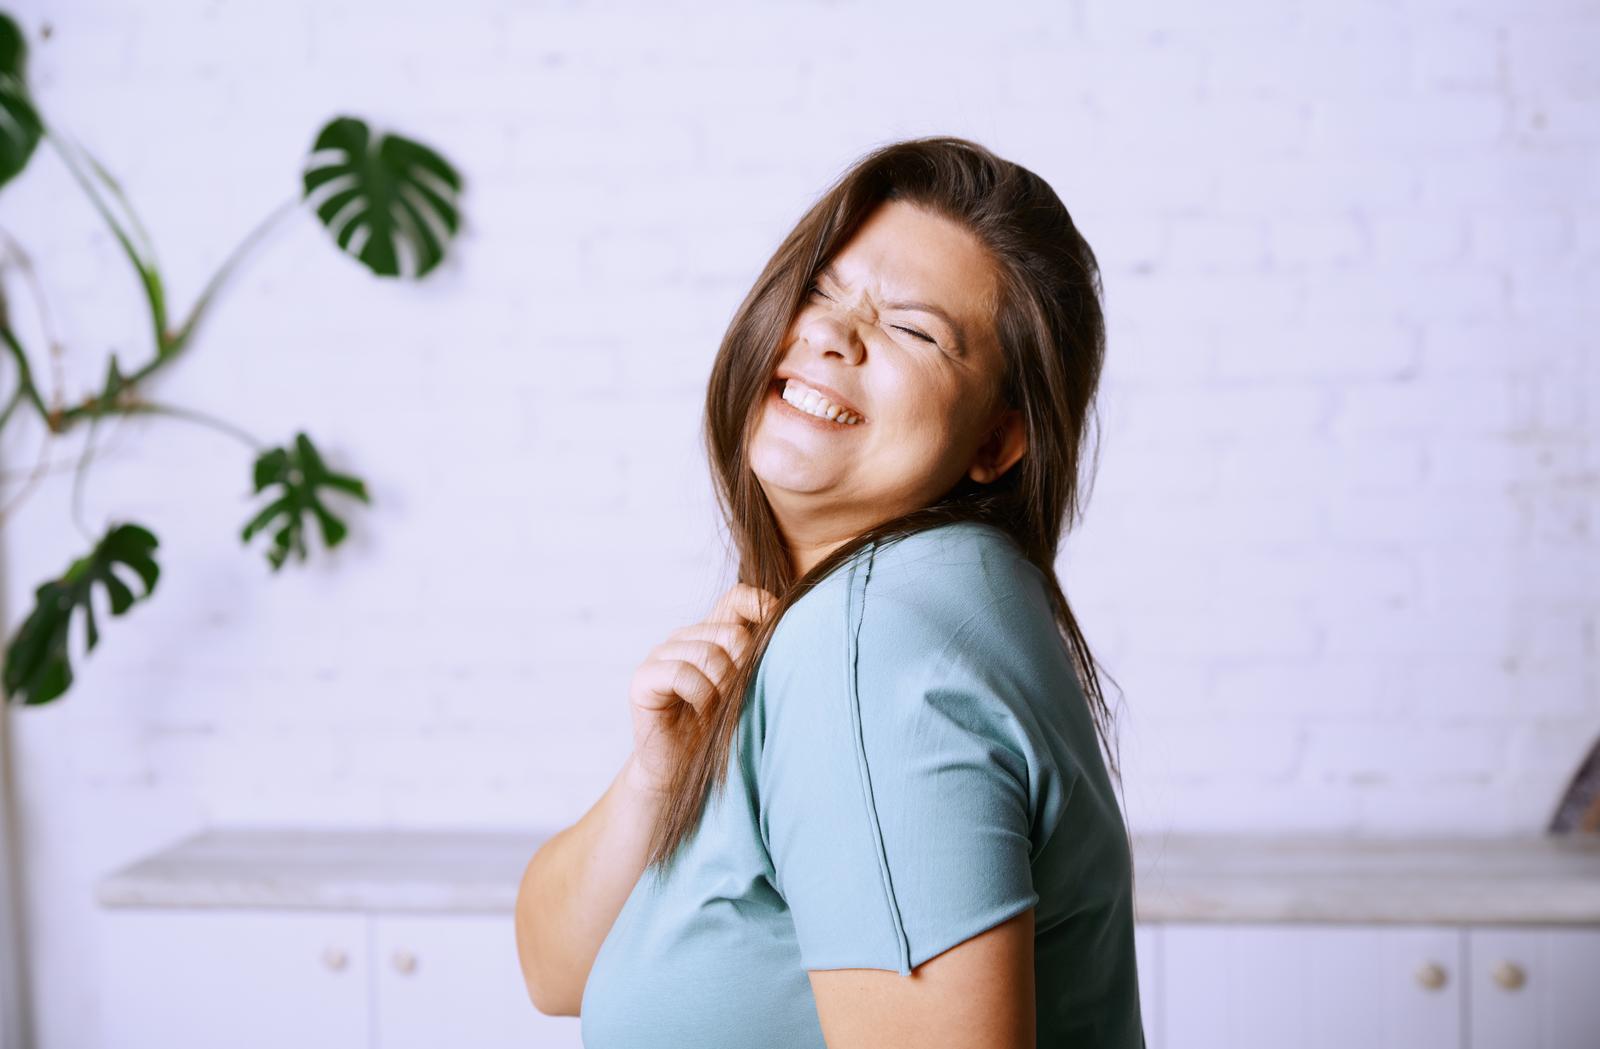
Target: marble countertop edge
[[1179, 877]]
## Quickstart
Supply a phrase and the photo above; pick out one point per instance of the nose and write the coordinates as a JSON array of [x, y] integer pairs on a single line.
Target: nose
[[834, 331]]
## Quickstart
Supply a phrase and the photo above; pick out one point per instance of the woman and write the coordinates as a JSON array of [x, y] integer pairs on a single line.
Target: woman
[[866, 805]]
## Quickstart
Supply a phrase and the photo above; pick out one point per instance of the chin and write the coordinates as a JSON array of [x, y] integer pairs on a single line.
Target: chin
[[780, 470]]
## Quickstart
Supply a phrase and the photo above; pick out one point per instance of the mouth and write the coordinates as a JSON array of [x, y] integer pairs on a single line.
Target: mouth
[[775, 394]]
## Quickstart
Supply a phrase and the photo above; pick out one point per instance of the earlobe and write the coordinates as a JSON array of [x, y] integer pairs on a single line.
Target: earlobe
[[1007, 442]]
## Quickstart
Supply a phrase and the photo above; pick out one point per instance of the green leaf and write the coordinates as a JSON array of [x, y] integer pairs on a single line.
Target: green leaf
[[37, 667], [20, 126], [13, 48], [299, 472], [389, 189]]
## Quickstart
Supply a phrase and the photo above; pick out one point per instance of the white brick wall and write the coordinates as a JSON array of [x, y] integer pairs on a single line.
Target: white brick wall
[[1341, 554]]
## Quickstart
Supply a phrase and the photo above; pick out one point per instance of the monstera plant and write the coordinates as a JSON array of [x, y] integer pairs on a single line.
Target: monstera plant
[[388, 202]]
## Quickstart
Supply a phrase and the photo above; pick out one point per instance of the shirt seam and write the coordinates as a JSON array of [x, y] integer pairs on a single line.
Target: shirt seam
[[855, 613]]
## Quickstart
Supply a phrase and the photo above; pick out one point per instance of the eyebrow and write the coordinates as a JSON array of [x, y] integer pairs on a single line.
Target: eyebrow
[[926, 307]]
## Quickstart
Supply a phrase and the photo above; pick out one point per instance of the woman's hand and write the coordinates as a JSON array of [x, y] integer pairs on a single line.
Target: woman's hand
[[681, 680]]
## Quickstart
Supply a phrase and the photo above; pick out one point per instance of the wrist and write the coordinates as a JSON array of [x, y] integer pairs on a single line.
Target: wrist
[[640, 782]]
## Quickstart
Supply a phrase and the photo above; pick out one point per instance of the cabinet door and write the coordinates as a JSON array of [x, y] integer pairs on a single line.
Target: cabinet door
[[445, 980], [1534, 988], [1244, 986], [1147, 951], [243, 979]]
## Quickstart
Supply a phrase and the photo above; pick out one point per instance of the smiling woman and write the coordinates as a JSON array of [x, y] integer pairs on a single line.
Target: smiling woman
[[933, 396], [880, 815]]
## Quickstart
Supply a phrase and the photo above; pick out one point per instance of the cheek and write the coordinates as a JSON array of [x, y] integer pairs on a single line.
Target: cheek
[[924, 405], [922, 442]]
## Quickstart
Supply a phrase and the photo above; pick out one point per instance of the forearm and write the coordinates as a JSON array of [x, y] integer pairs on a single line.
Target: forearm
[[574, 887]]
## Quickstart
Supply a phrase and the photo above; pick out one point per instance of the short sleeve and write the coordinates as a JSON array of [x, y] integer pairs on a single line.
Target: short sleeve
[[894, 779]]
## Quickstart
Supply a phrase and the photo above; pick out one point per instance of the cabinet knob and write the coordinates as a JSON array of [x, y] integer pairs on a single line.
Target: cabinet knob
[[1432, 976], [405, 961], [335, 958], [1510, 975]]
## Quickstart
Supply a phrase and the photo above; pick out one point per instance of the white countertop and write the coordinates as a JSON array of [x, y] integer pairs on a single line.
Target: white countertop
[[1531, 879], [1534, 879]]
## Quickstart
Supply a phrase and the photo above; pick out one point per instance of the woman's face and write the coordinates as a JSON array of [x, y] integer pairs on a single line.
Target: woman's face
[[900, 331]]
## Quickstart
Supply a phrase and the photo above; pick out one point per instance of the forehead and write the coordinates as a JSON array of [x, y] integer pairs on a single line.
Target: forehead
[[903, 252]]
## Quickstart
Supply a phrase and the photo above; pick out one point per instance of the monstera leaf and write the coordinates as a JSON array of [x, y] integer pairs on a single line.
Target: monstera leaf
[[300, 472], [20, 126], [36, 666], [380, 194]]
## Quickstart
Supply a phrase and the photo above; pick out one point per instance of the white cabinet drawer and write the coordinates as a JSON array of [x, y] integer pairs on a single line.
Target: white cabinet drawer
[[243, 979], [455, 980], [1244, 986], [1534, 988]]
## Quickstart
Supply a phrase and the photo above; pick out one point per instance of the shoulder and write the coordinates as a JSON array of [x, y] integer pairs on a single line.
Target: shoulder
[[957, 566], [961, 591], [910, 597], [952, 622]]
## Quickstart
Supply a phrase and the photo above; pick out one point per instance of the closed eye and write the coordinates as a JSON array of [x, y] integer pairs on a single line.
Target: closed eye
[[812, 289]]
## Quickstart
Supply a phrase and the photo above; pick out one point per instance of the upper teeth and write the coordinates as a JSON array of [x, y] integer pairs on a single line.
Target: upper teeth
[[810, 401]]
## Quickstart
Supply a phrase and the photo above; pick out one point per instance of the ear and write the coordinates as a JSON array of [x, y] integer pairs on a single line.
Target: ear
[[1007, 440]]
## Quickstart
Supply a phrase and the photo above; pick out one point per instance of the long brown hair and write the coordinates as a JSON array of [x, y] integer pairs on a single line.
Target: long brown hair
[[1051, 328]]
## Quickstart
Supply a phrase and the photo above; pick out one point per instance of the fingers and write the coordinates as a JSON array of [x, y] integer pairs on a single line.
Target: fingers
[[742, 603], [708, 657], [662, 683], [734, 637], [695, 660]]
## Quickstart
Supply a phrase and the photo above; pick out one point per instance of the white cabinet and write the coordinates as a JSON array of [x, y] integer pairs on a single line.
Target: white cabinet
[[244, 979], [1241, 985], [1317, 987], [1534, 988], [453, 980], [254, 979]]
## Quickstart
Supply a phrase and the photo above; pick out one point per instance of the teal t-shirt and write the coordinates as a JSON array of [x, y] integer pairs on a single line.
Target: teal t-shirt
[[914, 764]]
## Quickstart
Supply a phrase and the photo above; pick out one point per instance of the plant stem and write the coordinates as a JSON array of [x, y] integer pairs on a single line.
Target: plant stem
[[151, 408], [137, 407], [26, 388], [77, 481], [122, 198], [11, 405], [182, 335], [9, 476], [25, 265], [149, 277], [173, 342], [37, 472]]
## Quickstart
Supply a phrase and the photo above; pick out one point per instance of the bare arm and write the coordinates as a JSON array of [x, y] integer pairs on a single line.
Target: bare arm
[[979, 994], [574, 888], [575, 885]]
